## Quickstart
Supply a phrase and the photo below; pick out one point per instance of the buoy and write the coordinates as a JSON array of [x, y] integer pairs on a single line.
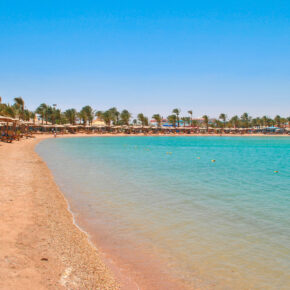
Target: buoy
[[213, 160], [198, 157], [276, 171]]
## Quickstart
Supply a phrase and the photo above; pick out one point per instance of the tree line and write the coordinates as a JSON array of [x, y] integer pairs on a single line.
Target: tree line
[[112, 116]]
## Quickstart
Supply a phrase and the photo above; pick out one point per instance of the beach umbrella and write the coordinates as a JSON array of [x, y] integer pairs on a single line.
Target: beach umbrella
[[6, 119]]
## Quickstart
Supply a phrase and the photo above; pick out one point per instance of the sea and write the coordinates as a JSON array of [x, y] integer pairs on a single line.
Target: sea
[[181, 212]]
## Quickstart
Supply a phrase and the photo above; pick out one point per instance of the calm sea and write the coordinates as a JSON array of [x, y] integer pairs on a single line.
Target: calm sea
[[162, 210]]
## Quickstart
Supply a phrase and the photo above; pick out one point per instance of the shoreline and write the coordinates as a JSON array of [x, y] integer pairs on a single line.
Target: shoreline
[[133, 277], [80, 135], [42, 247], [47, 249]]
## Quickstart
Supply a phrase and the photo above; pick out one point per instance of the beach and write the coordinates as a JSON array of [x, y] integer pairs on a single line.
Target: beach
[[144, 145], [40, 246]]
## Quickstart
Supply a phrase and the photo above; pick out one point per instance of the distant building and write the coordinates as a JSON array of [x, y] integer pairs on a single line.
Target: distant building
[[98, 122]]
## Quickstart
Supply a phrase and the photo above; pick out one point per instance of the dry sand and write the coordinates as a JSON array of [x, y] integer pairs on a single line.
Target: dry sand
[[40, 247]]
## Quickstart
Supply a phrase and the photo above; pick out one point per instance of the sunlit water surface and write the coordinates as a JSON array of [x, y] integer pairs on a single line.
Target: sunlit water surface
[[222, 224]]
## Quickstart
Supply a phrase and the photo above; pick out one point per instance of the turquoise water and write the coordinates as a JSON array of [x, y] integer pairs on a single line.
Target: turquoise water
[[161, 206]]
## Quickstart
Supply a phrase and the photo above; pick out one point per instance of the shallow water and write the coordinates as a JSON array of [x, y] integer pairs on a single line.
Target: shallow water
[[160, 206]]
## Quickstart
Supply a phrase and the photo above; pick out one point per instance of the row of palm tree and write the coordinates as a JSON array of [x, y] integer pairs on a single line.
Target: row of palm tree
[[17, 110], [112, 116], [245, 121]]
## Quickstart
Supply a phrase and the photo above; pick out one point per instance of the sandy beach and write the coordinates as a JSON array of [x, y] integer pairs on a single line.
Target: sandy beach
[[40, 247]]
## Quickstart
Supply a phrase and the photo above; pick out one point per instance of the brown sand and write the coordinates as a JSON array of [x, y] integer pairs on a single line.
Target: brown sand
[[40, 247]]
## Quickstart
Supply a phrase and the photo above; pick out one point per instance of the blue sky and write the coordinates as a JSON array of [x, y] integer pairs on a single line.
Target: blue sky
[[148, 56]]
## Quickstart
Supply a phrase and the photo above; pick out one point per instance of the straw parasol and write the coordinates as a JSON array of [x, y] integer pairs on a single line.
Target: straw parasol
[[6, 119]]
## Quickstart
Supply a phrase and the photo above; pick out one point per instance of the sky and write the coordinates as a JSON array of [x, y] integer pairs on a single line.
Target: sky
[[210, 57]]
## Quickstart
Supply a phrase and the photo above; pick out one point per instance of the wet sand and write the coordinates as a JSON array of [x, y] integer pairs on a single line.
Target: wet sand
[[40, 247]]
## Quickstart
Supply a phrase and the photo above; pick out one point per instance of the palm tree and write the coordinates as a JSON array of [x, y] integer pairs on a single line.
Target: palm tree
[[125, 117], [265, 121], [42, 111], [256, 122], [82, 116], [246, 119], [106, 116], [158, 119], [172, 120], [235, 121], [176, 112], [283, 122], [218, 123], [114, 115], [185, 120], [57, 116], [71, 115], [32, 116], [288, 120], [223, 117], [141, 118], [49, 114], [190, 113], [2, 108], [205, 121], [9, 111], [20, 105], [146, 121], [194, 123], [99, 114], [89, 114], [277, 120], [110, 116], [26, 115]]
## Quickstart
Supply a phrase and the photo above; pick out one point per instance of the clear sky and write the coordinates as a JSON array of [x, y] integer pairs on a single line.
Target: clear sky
[[148, 56]]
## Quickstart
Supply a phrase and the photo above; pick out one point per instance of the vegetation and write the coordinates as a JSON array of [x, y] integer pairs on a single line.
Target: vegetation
[[223, 117], [158, 119], [205, 121], [142, 119], [176, 112], [190, 113], [125, 117], [71, 115], [172, 119], [186, 120], [51, 114]]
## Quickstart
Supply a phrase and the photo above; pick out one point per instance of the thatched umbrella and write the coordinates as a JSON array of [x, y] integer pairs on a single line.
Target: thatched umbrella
[[9, 122], [6, 119]]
